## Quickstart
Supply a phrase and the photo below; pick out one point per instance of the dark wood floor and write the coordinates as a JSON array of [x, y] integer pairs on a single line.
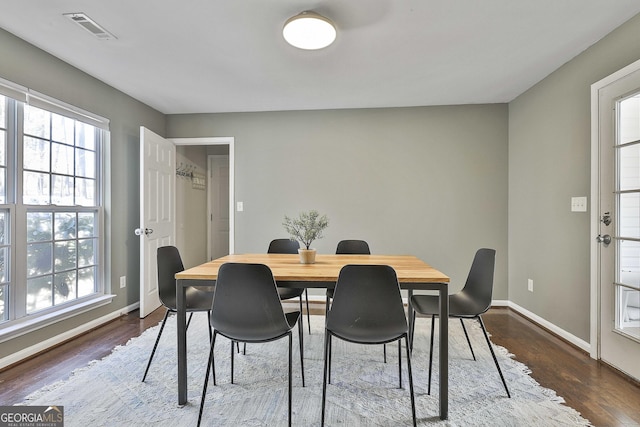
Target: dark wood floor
[[595, 390]]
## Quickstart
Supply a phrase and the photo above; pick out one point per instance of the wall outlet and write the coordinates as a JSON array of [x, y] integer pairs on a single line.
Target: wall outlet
[[123, 281], [530, 285]]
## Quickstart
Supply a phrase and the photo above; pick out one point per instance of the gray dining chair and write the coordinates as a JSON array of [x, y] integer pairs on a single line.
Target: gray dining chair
[[367, 309], [288, 246], [348, 247], [470, 303], [169, 263], [351, 247], [247, 309]]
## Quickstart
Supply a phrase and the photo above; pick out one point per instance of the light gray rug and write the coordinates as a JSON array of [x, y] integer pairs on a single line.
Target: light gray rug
[[364, 390]]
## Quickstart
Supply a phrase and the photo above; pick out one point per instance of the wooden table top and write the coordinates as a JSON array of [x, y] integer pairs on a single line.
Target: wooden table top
[[287, 267]]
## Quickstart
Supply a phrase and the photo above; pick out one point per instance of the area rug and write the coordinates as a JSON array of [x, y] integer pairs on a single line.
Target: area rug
[[364, 390]]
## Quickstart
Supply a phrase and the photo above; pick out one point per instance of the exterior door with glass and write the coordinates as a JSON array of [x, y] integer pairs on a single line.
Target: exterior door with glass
[[619, 222]]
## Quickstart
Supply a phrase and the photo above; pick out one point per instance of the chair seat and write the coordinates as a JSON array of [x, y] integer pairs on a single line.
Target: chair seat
[[379, 333], [289, 293], [242, 333], [196, 300], [460, 305]]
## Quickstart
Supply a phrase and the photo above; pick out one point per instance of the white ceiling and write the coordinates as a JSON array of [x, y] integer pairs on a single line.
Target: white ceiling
[[202, 56]]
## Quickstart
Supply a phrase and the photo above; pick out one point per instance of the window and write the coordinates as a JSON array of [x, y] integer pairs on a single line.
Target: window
[[4, 214], [51, 240]]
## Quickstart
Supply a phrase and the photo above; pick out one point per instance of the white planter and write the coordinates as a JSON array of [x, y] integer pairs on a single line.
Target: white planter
[[307, 256]]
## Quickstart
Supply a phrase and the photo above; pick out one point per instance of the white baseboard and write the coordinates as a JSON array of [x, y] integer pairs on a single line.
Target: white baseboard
[[58, 339], [67, 335], [578, 342]]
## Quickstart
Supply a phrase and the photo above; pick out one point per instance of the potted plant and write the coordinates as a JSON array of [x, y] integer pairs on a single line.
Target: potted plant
[[306, 228]]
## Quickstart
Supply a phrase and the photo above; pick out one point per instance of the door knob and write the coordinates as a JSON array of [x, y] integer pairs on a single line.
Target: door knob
[[145, 231], [606, 239]]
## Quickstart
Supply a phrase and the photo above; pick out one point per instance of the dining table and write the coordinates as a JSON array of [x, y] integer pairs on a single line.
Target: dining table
[[413, 274]]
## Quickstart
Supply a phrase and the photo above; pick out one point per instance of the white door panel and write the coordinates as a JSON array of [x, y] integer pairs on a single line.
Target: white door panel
[[157, 199]]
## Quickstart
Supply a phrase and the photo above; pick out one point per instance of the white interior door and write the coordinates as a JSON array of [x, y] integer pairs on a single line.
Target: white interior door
[[218, 200], [619, 223], [157, 198]]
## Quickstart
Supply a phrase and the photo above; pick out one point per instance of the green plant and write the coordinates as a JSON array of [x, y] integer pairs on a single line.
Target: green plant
[[307, 227]]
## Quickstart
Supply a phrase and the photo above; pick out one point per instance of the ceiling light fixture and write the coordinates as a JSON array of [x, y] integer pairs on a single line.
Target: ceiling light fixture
[[309, 31]]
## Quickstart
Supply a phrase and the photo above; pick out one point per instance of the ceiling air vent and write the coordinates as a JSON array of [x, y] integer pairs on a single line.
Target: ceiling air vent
[[90, 25]]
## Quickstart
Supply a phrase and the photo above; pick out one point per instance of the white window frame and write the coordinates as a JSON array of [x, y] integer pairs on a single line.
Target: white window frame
[[20, 322]]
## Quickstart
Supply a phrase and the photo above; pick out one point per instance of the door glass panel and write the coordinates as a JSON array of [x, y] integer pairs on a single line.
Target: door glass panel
[[628, 314], [629, 256], [627, 287], [629, 119], [629, 161], [629, 209]]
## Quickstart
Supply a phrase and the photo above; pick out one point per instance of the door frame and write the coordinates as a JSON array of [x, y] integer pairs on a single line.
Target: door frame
[[595, 197], [220, 140]]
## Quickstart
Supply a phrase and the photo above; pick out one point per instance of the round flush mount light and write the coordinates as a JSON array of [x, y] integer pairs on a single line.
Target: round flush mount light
[[309, 31]]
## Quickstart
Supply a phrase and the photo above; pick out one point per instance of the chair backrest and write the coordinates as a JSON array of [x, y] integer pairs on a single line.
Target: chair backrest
[[479, 284], [368, 296], [246, 305], [353, 247], [283, 246], [169, 263]]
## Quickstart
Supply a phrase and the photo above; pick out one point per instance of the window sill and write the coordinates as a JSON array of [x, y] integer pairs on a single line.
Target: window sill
[[32, 323]]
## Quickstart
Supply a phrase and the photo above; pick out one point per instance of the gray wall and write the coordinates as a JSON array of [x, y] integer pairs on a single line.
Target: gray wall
[[429, 181], [31, 67], [549, 162]]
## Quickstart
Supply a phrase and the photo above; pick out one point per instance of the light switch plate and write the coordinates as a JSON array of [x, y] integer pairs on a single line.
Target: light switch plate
[[578, 204]]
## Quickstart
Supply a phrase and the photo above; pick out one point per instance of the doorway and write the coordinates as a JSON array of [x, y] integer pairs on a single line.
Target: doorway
[[209, 212]]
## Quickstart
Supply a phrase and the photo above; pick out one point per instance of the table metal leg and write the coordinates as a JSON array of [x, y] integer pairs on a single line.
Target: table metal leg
[[181, 317], [444, 352]]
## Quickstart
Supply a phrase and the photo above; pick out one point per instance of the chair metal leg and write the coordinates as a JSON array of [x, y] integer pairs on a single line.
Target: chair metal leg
[[301, 341], [306, 297], [413, 329], [486, 336], [468, 341], [155, 346], [302, 313], [231, 362], [209, 323], [290, 363], [213, 361], [400, 362], [206, 380], [431, 353], [385, 352], [330, 351], [413, 400], [327, 365]]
